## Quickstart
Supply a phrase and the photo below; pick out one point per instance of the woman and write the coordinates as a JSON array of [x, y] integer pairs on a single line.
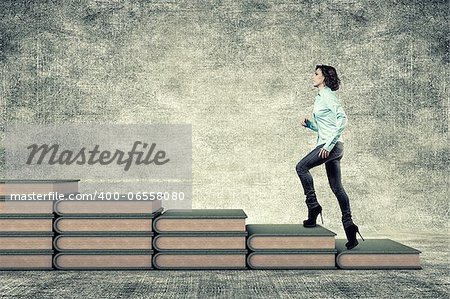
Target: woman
[[329, 121]]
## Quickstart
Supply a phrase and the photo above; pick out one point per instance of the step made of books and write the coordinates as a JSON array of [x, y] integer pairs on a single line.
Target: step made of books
[[290, 246], [200, 239]]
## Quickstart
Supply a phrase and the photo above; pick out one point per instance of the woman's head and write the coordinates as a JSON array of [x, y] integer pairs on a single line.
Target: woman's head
[[327, 75]]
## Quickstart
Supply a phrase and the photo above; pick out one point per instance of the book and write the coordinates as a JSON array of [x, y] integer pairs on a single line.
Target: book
[[288, 237], [201, 220], [8, 187], [304, 259], [211, 259], [104, 260], [377, 254], [104, 223], [107, 207], [26, 241], [26, 223], [128, 241], [200, 241], [26, 260]]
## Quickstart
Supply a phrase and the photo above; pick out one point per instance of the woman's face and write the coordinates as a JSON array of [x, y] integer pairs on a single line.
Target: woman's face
[[318, 78]]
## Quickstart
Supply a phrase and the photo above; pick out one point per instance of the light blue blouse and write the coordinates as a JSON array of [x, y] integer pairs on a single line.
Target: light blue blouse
[[329, 119]]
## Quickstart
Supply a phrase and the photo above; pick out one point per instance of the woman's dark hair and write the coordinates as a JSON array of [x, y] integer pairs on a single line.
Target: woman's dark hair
[[331, 78]]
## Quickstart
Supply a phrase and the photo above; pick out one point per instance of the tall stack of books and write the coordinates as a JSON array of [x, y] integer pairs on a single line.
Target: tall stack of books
[[26, 220], [290, 246], [105, 234], [200, 239]]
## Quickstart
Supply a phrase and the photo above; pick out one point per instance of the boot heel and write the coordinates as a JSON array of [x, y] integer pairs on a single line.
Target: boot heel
[[312, 216], [360, 235]]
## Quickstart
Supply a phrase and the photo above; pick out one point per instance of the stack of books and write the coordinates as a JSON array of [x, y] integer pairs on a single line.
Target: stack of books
[[115, 234], [290, 246], [200, 239], [26, 220], [377, 254]]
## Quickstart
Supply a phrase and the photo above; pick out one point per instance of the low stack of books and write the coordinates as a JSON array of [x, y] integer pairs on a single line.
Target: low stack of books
[[290, 246], [200, 239], [377, 254], [105, 234], [26, 220]]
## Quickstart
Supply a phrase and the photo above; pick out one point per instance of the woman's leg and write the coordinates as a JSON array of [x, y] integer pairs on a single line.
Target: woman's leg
[[309, 161], [333, 168]]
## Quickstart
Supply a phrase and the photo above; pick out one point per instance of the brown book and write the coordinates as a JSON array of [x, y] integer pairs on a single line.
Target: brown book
[[26, 241], [104, 242], [103, 260], [26, 260], [8, 187], [26, 223], [292, 259], [201, 220], [16, 207], [113, 207], [211, 259], [200, 241]]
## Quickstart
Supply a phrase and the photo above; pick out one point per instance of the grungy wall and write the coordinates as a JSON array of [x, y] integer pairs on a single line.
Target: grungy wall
[[240, 73]]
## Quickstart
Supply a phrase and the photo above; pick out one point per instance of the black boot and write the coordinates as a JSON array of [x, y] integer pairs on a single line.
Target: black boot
[[350, 232], [312, 216]]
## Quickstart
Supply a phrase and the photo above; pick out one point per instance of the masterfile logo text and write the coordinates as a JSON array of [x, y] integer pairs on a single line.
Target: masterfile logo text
[[52, 154]]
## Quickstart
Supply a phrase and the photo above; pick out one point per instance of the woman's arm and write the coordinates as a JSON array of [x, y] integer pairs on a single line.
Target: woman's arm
[[341, 123]]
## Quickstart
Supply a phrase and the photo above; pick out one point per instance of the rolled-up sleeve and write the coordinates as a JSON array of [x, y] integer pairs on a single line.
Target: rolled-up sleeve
[[311, 124]]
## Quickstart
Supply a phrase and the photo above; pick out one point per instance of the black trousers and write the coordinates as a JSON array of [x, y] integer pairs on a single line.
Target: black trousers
[[333, 168]]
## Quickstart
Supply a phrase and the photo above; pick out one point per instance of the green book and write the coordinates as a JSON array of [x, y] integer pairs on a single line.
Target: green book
[[289, 237], [201, 220], [377, 254], [104, 260], [200, 241], [210, 259]]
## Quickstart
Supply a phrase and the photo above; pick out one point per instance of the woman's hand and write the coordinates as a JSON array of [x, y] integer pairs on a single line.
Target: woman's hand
[[324, 153], [304, 122]]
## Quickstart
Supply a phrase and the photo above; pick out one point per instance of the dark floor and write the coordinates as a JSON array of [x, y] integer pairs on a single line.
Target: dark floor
[[430, 282]]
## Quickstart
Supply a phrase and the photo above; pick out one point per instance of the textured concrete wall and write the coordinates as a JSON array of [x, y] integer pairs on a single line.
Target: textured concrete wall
[[239, 72]]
